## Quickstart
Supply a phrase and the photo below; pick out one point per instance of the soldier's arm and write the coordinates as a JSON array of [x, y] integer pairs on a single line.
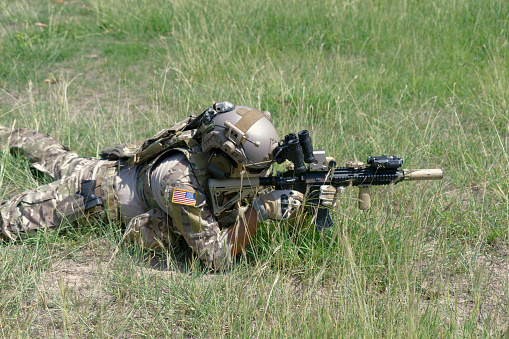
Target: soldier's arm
[[277, 205], [192, 218], [178, 193], [215, 247], [240, 234]]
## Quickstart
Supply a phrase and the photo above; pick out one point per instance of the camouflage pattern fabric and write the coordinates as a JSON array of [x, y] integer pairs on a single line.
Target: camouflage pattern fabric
[[196, 224], [150, 230], [44, 152], [48, 206]]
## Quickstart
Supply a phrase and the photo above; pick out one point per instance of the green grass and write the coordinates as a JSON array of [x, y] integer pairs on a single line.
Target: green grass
[[424, 80]]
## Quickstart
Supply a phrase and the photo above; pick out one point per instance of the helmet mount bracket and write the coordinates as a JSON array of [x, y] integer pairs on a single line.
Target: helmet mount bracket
[[234, 134]]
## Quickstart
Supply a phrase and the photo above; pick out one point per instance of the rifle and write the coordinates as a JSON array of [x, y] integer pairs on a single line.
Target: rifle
[[320, 172]]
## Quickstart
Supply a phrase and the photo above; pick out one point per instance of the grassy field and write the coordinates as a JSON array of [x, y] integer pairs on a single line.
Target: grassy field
[[424, 80]]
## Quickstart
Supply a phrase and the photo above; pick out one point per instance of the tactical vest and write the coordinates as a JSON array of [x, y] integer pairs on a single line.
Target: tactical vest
[[182, 137]]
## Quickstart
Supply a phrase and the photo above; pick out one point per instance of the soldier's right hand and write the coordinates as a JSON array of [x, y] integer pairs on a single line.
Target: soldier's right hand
[[278, 205]]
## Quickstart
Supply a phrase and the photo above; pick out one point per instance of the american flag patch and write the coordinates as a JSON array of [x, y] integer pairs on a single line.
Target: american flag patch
[[183, 197]]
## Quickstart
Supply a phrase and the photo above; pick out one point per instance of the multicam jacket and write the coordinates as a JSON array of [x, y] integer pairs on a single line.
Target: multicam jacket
[[178, 207]]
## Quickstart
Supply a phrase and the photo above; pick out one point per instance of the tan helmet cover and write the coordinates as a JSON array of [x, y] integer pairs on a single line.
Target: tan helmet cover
[[245, 135]]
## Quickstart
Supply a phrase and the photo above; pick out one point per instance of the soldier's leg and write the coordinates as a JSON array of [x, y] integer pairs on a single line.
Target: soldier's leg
[[48, 206], [45, 207], [44, 152]]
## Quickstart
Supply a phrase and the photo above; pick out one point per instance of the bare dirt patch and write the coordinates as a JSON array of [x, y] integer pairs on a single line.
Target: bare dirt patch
[[76, 293], [8, 98]]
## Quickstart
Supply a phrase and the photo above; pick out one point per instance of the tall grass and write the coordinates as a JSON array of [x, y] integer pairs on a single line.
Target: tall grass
[[422, 80]]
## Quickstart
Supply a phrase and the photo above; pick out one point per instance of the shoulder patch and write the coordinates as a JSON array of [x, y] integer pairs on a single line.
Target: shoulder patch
[[183, 197]]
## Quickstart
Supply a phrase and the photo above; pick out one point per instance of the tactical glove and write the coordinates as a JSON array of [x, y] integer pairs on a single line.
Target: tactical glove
[[278, 205]]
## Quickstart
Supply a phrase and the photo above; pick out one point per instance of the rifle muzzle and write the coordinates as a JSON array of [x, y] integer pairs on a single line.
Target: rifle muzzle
[[423, 174]]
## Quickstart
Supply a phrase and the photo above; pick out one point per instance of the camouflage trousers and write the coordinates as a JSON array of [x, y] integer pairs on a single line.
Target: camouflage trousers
[[50, 205]]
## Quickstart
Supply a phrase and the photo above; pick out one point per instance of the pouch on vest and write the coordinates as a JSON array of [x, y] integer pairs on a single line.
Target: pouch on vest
[[166, 139], [120, 151]]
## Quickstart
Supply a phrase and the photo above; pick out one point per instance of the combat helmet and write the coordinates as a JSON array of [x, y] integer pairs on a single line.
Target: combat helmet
[[240, 140]]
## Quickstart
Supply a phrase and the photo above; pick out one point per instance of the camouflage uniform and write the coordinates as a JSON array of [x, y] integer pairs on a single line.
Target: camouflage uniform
[[162, 220]]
